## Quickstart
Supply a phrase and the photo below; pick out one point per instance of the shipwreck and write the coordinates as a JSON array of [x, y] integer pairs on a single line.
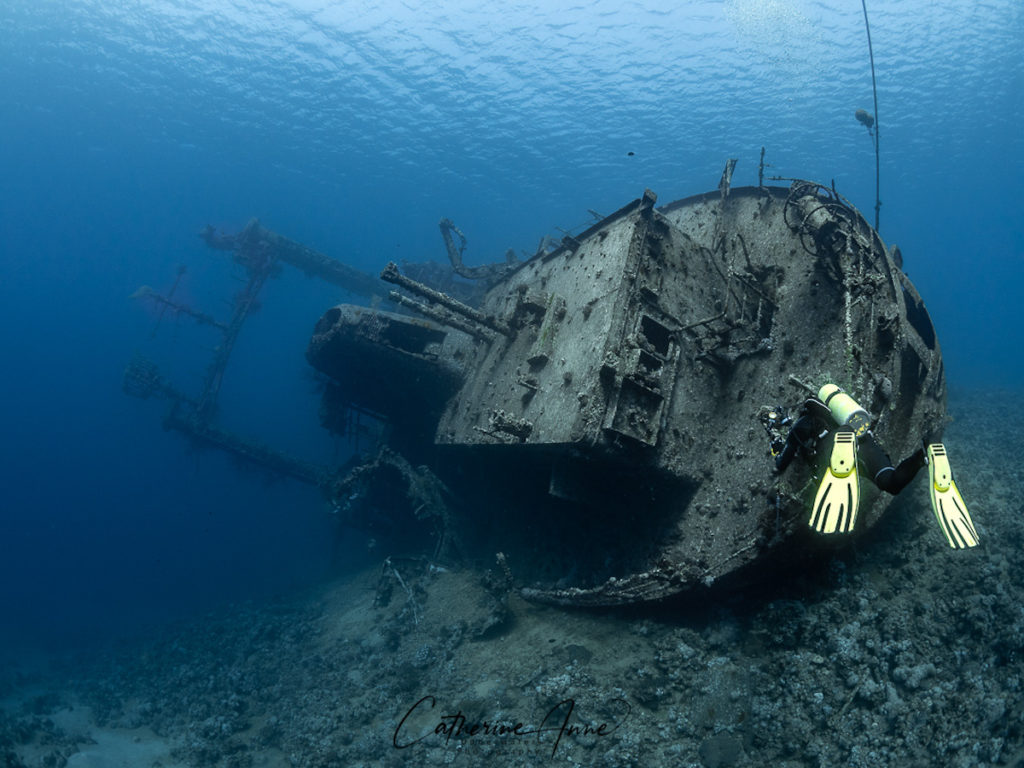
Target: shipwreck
[[591, 412]]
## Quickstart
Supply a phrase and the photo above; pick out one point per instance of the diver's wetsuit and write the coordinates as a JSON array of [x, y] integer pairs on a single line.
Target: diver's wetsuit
[[815, 423]]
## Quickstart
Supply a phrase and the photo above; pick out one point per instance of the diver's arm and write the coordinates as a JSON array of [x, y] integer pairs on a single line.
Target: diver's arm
[[806, 428]]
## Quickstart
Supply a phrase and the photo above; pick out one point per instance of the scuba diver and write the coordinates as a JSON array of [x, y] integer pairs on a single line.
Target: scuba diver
[[833, 418]]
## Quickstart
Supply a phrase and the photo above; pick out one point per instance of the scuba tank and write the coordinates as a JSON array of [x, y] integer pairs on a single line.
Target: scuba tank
[[846, 411]]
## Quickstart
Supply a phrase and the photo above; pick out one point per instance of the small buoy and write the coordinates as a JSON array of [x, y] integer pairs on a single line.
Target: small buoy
[[864, 117]]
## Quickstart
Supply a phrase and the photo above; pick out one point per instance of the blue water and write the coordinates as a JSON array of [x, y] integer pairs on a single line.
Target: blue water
[[127, 125]]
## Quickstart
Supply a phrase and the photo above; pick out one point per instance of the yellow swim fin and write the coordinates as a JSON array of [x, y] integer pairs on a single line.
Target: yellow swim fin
[[835, 504], [947, 503]]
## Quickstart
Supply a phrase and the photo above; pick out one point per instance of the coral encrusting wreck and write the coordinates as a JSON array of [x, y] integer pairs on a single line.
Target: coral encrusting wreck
[[595, 416]]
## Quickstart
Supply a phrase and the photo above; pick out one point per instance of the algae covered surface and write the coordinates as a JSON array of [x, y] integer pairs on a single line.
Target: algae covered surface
[[894, 650]]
